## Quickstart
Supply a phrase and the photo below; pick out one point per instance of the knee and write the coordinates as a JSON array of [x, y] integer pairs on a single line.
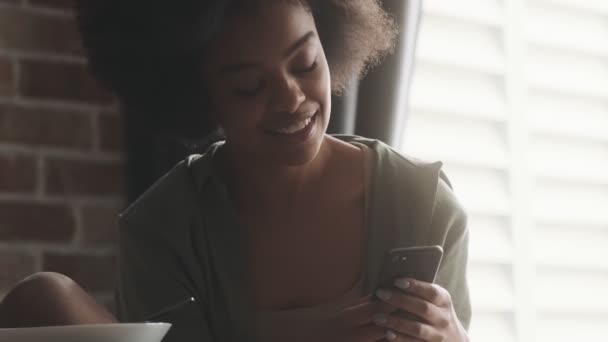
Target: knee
[[49, 298], [46, 280], [42, 285], [36, 300]]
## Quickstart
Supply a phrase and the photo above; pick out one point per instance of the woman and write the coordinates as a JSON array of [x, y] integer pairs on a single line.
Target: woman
[[279, 231]]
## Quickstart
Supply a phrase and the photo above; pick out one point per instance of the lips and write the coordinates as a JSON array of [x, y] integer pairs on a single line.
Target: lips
[[299, 136], [293, 126]]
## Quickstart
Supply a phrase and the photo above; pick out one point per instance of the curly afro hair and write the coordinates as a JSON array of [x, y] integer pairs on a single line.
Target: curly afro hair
[[148, 51]]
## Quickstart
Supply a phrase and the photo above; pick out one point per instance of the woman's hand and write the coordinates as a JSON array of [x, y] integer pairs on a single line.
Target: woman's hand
[[431, 303], [356, 323]]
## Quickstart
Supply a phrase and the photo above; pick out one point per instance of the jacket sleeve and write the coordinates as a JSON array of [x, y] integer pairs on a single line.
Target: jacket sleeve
[[450, 218], [149, 283]]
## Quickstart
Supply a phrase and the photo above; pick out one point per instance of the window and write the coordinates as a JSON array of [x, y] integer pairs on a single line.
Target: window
[[513, 96]]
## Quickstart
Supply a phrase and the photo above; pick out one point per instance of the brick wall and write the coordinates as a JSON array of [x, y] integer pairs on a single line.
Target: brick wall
[[61, 160]]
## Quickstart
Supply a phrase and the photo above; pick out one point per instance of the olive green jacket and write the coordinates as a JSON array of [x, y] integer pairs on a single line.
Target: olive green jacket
[[180, 240]]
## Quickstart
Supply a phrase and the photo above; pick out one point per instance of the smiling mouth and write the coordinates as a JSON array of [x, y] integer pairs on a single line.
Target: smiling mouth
[[294, 127]]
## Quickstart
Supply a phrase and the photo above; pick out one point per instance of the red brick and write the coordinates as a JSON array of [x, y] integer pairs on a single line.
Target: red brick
[[94, 273], [63, 4], [37, 126], [35, 222], [85, 178], [99, 225], [14, 266], [61, 81], [7, 77], [17, 173], [34, 32], [111, 132]]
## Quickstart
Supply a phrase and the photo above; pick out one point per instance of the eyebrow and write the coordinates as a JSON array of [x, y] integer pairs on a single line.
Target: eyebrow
[[241, 66]]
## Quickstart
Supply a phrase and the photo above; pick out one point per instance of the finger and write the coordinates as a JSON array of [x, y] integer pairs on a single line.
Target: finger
[[431, 292], [362, 314], [392, 336], [360, 301], [419, 307], [411, 329]]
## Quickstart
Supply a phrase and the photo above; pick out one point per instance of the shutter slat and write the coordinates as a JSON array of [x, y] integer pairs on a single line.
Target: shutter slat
[[491, 288], [447, 89], [584, 326], [593, 6], [488, 12], [570, 73], [555, 246], [568, 116], [570, 291], [570, 160], [564, 28], [500, 326], [490, 238], [556, 202], [464, 45], [452, 138]]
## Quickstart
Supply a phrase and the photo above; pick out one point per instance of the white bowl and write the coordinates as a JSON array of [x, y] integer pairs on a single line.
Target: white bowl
[[119, 332]]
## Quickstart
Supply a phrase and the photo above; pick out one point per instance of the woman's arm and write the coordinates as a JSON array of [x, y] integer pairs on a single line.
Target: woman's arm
[[449, 216], [443, 309]]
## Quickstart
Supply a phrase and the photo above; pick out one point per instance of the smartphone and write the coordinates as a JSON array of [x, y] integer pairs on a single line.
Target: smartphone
[[420, 262]]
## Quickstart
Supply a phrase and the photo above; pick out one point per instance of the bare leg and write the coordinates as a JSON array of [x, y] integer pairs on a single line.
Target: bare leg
[[46, 299]]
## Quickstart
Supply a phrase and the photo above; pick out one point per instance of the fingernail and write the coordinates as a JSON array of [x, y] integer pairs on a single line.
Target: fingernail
[[383, 294], [379, 319], [402, 284], [391, 336]]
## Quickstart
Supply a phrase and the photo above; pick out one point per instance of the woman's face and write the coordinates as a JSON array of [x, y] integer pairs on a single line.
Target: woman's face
[[270, 85]]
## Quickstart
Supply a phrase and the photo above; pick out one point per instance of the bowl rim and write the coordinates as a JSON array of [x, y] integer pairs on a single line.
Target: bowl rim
[[87, 326]]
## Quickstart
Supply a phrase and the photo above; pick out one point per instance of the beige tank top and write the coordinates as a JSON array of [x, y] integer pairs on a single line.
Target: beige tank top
[[310, 323]]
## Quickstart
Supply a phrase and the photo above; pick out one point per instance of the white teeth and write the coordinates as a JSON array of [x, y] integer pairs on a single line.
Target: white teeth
[[295, 127]]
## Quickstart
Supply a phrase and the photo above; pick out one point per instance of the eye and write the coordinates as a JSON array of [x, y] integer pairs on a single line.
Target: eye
[[310, 68], [251, 91]]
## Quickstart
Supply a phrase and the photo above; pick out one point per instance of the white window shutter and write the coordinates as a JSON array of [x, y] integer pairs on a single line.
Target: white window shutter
[[513, 96]]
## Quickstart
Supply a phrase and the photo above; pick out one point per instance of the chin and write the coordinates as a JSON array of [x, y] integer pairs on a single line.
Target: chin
[[297, 154]]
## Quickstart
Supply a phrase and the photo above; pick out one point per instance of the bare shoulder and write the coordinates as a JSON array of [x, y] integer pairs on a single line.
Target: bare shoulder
[[342, 149], [346, 165]]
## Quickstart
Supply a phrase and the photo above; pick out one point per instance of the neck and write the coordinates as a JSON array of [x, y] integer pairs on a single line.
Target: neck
[[268, 185]]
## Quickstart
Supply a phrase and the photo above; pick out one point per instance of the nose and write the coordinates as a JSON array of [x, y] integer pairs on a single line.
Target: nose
[[288, 95]]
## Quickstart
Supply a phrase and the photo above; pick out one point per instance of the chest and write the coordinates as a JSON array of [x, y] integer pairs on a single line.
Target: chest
[[308, 258]]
